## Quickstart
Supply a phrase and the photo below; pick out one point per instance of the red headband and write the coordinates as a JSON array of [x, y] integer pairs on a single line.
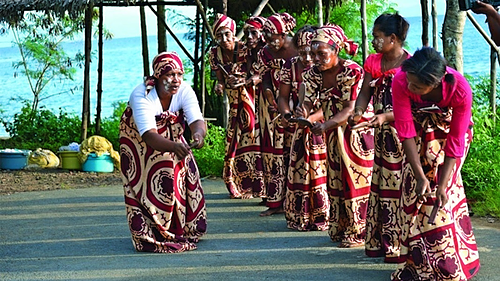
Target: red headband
[[257, 22], [163, 63], [224, 21], [279, 24]]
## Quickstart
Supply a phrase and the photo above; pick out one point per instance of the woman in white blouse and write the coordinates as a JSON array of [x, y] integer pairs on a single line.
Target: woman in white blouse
[[163, 194]]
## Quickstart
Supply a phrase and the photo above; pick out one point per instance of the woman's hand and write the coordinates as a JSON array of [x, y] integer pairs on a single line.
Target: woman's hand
[[180, 149], [441, 197], [235, 82], [254, 80], [377, 120], [356, 115], [423, 187], [483, 8], [198, 141], [300, 112], [284, 122], [219, 89], [318, 128]]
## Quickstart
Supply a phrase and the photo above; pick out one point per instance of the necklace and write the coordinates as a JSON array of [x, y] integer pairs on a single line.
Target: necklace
[[384, 62]]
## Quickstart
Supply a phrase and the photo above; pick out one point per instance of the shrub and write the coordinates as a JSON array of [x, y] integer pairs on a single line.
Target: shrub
[[41, 129], [110, 127], [210, 158], [481, 169]]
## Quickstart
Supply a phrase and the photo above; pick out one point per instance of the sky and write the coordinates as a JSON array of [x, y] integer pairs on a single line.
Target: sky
[[125, 21]]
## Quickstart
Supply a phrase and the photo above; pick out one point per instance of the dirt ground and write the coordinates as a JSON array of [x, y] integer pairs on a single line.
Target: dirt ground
[[51, 179]]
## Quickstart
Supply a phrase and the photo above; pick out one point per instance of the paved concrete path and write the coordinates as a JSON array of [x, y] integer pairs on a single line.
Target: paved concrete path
[[82, 234]]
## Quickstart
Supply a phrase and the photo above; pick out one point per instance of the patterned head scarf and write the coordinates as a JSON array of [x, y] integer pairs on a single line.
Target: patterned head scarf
[[163, 63], [333, 35], [305, 38], [257, 22], [224, 21], [279, 24]]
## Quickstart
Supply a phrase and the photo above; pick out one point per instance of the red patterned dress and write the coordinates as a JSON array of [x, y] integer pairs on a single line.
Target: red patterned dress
[[307, 206], [272, 134], [445, 250], [163, 195], [382, 229], [350, 154], [243, 171]]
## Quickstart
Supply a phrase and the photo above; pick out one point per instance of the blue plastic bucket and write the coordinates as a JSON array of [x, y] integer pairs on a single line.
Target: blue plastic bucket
[[14, 159], [100, 164]]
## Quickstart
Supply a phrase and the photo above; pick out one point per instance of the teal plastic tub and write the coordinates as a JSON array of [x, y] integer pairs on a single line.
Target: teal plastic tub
[[13, 159], [99, 164]]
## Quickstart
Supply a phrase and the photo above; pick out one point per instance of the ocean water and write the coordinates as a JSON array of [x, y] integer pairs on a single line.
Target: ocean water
[[122, 69]]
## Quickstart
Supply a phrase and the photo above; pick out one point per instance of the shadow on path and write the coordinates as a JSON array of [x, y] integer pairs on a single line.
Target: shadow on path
[[82, 234]]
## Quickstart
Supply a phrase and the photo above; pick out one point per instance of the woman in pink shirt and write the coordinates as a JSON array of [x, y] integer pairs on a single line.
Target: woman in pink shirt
[[432, 110]]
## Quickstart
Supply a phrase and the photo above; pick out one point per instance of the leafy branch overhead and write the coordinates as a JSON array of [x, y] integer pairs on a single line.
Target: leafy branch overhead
[[44, 62]]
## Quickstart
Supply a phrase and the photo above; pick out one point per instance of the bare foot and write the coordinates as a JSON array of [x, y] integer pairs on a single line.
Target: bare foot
[[272, 211]]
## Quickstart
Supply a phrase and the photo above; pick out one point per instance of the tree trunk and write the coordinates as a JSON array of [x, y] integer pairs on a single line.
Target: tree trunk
[[328, 11], [99, 74], [364, 30], [257, 12], [144, 39], [424, 6], [162, 32], [86, 71], [453, 29], [224, 7], [320, 12], [434, 25]]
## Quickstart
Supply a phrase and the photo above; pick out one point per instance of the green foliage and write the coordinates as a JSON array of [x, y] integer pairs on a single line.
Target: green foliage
[[481, 170], [39, 37], [210, 158], [41, 129], [110, 127], [44, 129], [348, 17]]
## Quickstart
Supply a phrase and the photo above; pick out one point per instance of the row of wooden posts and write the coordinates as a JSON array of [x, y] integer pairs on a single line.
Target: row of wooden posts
[[199, 61]]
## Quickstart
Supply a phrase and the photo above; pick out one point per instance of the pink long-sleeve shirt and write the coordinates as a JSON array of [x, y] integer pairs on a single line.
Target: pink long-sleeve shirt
[[457, 95]]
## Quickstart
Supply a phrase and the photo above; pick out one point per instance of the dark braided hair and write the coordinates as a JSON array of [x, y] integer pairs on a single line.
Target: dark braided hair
[[428, 65]]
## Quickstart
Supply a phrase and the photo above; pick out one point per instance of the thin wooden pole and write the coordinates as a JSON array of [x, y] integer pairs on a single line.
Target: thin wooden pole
[[434, 25], [425, 22], [493, 81], [224, 7], [364, 30], [482, 32], [205, 19], [197, 55], [173, 35], [328, 10], [320, 12], [99, 74], [271, 8], [86, 73], [256, 13], [495, 52], [161, 30], [203, 66], [144, 40]]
